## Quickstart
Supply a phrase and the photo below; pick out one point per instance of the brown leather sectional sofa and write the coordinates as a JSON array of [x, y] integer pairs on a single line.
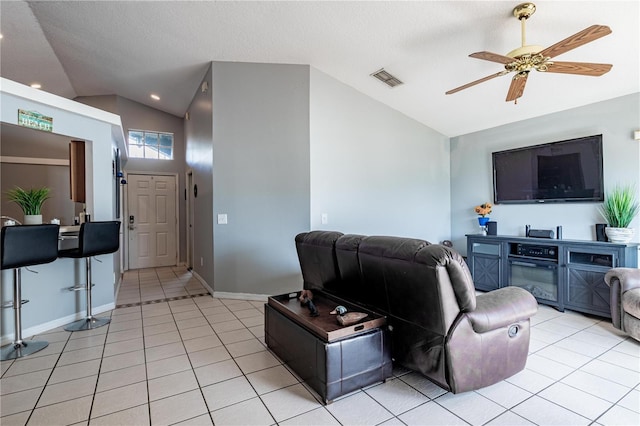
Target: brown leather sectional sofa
[[437, 324]]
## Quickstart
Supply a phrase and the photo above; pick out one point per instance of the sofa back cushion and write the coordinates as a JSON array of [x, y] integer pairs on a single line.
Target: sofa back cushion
[[419, 283], [451, 267], [317, 256], [352, 287]]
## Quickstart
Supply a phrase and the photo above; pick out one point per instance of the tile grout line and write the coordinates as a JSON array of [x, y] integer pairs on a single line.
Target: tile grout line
[[95, 389], [144, 352], [193, 371], [46, 382], [560, 381], [146, 378]]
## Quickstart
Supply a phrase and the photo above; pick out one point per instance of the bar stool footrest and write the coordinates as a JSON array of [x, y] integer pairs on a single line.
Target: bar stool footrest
[[27, 347], [87, 324], [79, 287], [10, 304]]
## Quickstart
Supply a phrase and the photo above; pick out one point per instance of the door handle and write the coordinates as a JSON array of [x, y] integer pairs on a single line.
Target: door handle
[[131, 223]]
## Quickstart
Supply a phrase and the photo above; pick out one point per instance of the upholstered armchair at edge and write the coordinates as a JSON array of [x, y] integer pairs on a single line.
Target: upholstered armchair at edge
[[625, 299]]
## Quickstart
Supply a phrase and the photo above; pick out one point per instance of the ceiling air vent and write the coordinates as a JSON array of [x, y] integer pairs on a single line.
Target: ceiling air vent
[[386, 78]]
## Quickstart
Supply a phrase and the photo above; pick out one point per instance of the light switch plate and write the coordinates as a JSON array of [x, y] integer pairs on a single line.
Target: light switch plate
[[324, 218], [222, 219]]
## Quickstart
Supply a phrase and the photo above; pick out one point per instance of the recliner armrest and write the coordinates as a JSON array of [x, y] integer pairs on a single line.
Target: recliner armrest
[[502, 307], [620, 280], [629, 278]]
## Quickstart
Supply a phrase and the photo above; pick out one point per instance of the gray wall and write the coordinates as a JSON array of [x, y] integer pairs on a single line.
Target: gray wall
[[103, 102], [471, 175], [373, 169], [141, 117], [199, 157], [276, 146], [260, 174]]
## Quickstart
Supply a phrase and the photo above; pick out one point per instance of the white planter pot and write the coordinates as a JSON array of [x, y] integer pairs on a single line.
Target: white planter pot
[[619, 235], [32, 219]]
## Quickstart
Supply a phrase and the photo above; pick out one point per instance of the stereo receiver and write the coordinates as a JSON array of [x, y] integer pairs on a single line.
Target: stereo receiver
[[539, 251]]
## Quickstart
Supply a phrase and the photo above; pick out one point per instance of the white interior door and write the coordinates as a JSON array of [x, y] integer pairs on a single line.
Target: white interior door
[[152, 221]]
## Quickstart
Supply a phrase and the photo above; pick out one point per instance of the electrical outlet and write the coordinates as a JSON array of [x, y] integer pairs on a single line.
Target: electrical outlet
[[222, 219]]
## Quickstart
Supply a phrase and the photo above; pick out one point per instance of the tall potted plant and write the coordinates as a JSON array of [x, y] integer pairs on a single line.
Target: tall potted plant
[[30, 201], [620, 207]]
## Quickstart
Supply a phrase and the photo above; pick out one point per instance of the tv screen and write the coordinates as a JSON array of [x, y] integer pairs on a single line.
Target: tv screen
[[568, 170]]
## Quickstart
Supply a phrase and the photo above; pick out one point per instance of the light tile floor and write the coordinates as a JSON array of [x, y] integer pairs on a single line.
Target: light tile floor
[[200, 360]]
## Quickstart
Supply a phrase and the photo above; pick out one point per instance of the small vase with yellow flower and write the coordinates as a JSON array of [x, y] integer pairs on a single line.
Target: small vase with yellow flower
[[483, 210]]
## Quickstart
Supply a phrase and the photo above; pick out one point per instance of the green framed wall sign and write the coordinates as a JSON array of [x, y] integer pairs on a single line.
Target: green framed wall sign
[[35, 120]]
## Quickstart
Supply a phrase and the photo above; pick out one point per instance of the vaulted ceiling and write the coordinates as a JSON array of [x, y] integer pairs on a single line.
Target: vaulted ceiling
[[133, 49]]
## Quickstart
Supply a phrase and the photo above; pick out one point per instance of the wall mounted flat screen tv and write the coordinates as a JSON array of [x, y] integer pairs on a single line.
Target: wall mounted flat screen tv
[[569, 170]]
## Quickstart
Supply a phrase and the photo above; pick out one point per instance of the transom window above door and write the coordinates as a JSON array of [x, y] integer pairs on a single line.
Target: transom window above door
[[148, 144]]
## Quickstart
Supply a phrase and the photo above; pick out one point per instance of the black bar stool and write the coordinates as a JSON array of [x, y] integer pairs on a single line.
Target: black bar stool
[[95, 238], [23, 246]]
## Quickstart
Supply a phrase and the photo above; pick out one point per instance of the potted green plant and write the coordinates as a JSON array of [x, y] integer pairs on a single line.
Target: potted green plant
[[30, 201], [620, 207]]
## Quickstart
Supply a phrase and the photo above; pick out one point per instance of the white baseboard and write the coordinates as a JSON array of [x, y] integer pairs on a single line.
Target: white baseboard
[[118, 287], [202, 281], [241, 296], [41, 328], [227, 295]]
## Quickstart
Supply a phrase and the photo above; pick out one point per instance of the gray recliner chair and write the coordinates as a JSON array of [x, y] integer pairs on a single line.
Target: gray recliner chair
[[625, 299]]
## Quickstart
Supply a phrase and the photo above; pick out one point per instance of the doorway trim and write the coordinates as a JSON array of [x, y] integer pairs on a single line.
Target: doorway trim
[[125, 219], [189, 229]]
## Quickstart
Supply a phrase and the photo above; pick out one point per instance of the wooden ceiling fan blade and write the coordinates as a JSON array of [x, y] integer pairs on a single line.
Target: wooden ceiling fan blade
[[493, 57], [473, 83], [585, 36], [516, 89], [581, 68]]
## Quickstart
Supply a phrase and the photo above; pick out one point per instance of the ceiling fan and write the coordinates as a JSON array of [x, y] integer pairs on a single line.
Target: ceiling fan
[[528, 57]]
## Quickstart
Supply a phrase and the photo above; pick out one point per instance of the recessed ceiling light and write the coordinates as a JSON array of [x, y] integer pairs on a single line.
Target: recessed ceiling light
[[36, 85], [155, 97]]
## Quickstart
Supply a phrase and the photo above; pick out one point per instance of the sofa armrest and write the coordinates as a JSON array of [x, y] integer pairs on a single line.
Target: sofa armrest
[[502, 307]]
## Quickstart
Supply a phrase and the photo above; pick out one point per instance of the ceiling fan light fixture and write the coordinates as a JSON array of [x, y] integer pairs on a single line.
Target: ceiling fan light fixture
[[531, 49], [387, 78]]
